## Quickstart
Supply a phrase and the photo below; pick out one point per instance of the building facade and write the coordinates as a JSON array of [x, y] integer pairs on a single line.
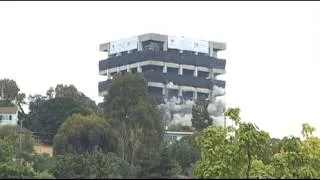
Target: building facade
[[8, 115], [173, 66]]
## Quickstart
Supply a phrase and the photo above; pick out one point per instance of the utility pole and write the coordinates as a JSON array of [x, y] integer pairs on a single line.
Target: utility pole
[[20, 136], [2, 94]]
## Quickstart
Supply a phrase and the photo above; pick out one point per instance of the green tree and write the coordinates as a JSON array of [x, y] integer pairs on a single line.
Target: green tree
[[41, 162], [169, 168], [79, 134], [220, 155], [160, 165], [252, 141], [307, 130], [229, 152], [93, 165], [11, 133], [11, 96], [50, 93], [10, 91], [70, 91], [200, 115], [134, 114], [46, 116], [298, 158], [261, 170], [10, 168], [186, 153]]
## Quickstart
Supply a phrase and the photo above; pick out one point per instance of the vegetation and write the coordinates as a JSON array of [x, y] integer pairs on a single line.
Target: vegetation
[[126, 140], [47, 113], [80, 134], [200, 115], [240, 152], [134, 116], [11, 133]]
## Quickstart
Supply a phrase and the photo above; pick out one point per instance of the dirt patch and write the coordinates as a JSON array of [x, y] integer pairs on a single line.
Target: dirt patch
[[43, 149]]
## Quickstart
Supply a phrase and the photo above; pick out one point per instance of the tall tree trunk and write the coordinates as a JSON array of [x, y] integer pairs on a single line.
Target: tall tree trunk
[[122, 141], [249, 164], [134, 142]]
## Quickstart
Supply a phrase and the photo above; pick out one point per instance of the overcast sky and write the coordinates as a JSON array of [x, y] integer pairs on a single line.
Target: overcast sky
[[273, 49]]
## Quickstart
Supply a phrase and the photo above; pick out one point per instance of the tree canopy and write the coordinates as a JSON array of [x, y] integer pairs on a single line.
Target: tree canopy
[[9, 89], [134, 114], [200, 115], [47, 116], [245, 151], [80, 134]]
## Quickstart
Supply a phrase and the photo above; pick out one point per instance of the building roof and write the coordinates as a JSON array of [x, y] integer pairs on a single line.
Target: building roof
[[8, 109]]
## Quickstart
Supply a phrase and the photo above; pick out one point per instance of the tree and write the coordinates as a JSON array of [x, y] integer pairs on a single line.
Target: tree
[[185, 152], [42, 163], [252, 141], [50, 93], [130, 110], [10, 168], [10, 91], [79, 134], [307, 130], [71, 92], [221, 148], [298, 158], [48, 115], [11, 96], [220, 155], [200, 115], [160, 165], [11, 133], [91, 165], [169, 168]]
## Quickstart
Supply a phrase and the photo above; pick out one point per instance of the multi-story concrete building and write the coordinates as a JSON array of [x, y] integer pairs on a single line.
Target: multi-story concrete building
[[173, 66]]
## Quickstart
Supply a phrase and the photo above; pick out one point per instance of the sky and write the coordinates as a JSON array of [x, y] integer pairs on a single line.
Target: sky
[[273, 49]]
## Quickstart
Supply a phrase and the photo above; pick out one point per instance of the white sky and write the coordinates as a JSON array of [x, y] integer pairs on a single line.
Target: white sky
[[273, 49]]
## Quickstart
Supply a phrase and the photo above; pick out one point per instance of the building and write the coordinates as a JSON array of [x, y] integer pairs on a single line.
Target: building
[[176, 135], [8, 115], [173, 66]]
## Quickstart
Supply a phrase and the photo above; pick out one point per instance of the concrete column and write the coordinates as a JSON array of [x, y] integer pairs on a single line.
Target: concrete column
[[128, 68], [140, 47], [165, 45], [211, 96], [180, 70], [211, 49], [164, 68], [108, 74], [139, 69], [165, 91], [214, 53], [211, 74], [180, 91], [195, 95], [195, 71], [118, 69]]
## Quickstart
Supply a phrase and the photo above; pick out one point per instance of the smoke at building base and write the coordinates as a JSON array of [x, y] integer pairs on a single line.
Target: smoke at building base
[[176, 112]]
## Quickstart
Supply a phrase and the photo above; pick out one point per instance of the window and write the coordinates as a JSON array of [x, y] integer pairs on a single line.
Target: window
[[10, 117], [152, 45]]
